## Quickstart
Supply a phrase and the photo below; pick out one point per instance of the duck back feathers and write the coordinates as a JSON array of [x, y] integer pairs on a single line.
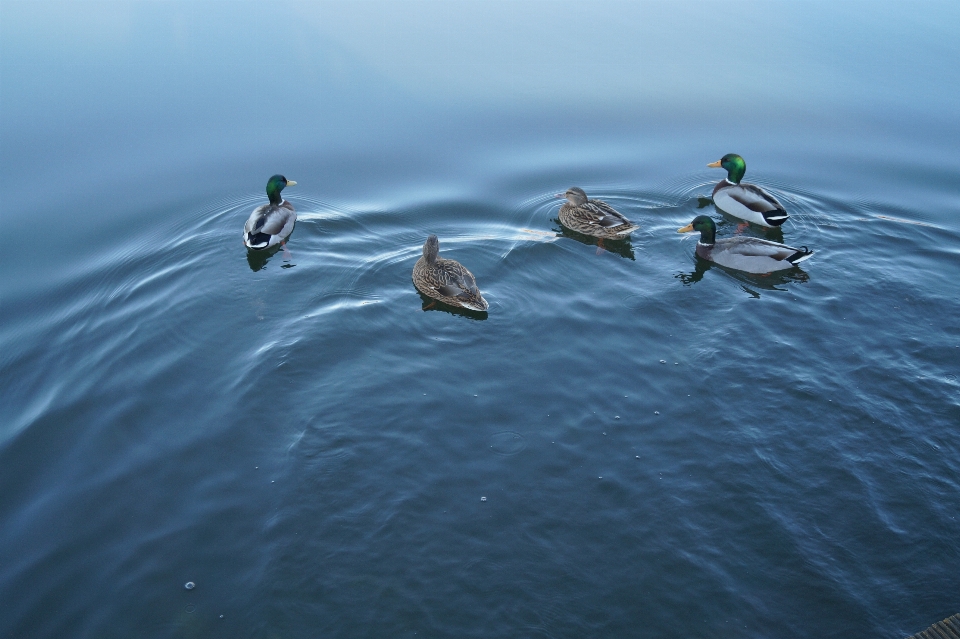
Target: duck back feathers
[[752, 254], [749, 202], [268, 225]]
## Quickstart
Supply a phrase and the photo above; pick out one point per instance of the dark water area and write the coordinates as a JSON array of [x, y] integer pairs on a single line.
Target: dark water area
[[631, 442]]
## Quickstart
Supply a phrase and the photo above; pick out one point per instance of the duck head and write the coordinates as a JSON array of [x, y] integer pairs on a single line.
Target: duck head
[[575, 196], [275, 185], [705, 225], [734, 165], [431, 249]]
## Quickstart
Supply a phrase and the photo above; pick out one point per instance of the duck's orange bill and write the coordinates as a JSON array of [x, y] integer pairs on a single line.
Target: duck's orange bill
[[714, 165], [686, 229]]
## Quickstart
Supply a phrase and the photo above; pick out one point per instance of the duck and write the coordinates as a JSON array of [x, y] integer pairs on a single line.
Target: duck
[[593, 217], [271, 224], [446, 281], [748, 202], [748, 254]]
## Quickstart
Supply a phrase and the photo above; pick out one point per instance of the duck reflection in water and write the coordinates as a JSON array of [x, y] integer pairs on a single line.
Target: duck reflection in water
[[257, 260], [429, 304], [623, 248], [748, 281]]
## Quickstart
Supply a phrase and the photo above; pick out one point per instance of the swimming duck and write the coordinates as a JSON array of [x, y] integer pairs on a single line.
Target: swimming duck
[[747, 201], [270, 224], [446, 280], [593, 217], [748, 254]]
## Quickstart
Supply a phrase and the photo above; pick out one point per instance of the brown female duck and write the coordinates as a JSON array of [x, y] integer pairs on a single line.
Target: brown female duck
[[447, 281], [593, 217]]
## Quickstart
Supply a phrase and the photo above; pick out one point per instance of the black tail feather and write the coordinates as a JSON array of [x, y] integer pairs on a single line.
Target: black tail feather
[[800, 255], [258, 240]]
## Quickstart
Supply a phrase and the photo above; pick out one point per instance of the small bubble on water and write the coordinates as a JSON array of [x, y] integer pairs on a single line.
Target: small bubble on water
[[483, 499], [638, 456], [190, 608], [656, 412], [663, 361], [189, 585], [221, 616], [616, 417]]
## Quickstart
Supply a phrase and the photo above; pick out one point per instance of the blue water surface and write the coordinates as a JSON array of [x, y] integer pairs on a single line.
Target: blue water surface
[[631, 443]]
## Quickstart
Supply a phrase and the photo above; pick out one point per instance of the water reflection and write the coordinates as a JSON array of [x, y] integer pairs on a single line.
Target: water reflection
[[749, 281], [257, 260], [623, 248], [430, 304]]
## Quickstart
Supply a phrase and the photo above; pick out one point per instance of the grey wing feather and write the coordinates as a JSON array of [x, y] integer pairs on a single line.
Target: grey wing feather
[[755, 198], [275, 221], [258, 213], [270, 219], [607, 215], [755, 247], [448, 290]]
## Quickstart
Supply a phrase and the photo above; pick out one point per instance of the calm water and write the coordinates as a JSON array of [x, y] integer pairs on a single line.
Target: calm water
[[629, 444]]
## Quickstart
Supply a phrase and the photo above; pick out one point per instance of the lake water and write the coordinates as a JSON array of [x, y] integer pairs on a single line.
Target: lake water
[[630, 443]]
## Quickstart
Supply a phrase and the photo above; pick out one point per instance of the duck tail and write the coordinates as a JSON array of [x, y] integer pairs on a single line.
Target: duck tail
[[257, 241], [800, 255], [627, 231]]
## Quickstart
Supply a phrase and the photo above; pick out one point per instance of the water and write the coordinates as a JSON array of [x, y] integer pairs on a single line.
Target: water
[[322, 457]]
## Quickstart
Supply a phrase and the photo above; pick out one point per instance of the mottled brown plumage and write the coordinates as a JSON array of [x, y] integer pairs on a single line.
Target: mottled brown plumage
[[447, 281], [593, 217]]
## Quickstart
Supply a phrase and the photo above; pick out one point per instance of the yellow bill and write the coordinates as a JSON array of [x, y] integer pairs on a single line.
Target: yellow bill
[[714, 165], [686, 229], [291, 183]]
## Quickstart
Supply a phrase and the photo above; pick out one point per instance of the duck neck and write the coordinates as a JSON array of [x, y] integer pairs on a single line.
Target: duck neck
[[708, 236], [431, 251], [735, 172], [273, 192]]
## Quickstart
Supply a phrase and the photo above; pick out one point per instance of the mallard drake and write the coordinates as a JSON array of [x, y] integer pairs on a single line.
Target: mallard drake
[[747, 201], [593, 217], [270, 224], [446, 280], [748, 254]]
